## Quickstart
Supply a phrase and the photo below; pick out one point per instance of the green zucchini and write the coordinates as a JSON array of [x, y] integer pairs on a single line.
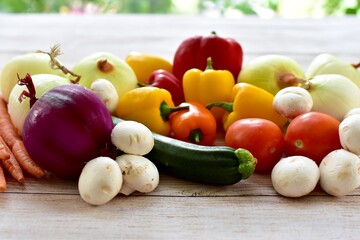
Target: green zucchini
[[218, 165]]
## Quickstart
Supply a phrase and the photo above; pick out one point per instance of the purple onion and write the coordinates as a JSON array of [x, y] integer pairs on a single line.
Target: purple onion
[[68, 126]]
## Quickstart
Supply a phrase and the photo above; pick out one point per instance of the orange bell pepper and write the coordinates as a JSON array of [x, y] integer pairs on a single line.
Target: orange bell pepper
[[249, 101], [196, 125]]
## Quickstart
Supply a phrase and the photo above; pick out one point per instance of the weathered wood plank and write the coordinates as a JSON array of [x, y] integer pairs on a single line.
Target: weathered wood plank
[[40, 216], [256, 185]]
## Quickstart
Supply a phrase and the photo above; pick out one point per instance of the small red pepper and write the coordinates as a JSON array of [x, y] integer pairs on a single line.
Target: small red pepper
[[167, 80], [196, 124]]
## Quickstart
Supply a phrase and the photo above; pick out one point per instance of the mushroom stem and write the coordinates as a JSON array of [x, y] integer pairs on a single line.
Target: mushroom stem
[[139, 174], [126, 189]]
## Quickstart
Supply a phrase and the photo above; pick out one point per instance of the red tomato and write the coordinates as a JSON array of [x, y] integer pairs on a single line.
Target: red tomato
[[263, 138], [312, 135]]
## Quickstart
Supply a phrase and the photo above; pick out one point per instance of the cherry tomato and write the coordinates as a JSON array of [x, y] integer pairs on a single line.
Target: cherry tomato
[[263, 138], [312, 135]]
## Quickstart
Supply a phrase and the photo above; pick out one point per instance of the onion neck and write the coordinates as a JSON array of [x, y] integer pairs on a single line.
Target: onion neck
[[356, 65], [288, 79], [31, 93], [56, 65], [105, 66]]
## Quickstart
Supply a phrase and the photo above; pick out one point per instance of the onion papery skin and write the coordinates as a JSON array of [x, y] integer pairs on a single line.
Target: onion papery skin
[[67, 127], [329, 64], [334, 95]]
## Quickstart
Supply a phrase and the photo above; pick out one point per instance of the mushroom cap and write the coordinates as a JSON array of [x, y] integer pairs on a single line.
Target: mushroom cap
[[295, 176]]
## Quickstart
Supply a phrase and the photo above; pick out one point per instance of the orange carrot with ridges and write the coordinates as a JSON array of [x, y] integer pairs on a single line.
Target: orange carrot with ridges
[[15, 143], [9, 162], [7, 129], [3, 155], [3, 185]]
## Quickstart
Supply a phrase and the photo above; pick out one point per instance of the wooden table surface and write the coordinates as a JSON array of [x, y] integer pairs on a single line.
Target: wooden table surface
[[52, 209]]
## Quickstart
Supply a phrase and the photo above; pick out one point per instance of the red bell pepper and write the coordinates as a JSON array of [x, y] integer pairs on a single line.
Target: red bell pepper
[[166, 80], [226, 54]]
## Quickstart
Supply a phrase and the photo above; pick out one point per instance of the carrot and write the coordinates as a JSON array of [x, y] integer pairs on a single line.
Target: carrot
[[25, 161], [3, 185], [14, 142], [9, 162], [7, 129], [3, 155]]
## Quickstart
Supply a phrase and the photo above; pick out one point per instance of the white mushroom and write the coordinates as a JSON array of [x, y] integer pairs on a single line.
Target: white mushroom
[[295, 176], [132, 137], [349, 132], [100, 181], [139, 174], [106, 91], [292, 101], [340, 172], [352, 111]]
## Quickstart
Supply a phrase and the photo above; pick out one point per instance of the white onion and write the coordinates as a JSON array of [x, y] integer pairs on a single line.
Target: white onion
[[334, 95]]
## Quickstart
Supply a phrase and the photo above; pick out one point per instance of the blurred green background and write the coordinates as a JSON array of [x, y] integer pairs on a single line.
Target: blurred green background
[[215, 8]]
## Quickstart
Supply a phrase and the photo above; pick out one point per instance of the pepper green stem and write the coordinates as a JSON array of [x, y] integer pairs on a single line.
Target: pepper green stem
[[196, 135], [247, 162], [165, 110], [209, 64], [228, 106], [141, 84]]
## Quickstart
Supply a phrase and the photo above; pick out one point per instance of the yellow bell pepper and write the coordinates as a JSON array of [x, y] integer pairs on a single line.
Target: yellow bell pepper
[[249, 101], [208, 86], [144, 64], [150, 106]]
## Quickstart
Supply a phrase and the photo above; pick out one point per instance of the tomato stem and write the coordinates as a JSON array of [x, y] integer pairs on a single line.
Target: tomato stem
[[298, 144]]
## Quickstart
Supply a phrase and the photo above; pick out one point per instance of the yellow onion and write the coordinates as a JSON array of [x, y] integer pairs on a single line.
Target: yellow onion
[[107, 66], [272, 72]]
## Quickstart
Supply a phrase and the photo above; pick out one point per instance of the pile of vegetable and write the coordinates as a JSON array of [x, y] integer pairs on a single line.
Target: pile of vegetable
[[113, 125]]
